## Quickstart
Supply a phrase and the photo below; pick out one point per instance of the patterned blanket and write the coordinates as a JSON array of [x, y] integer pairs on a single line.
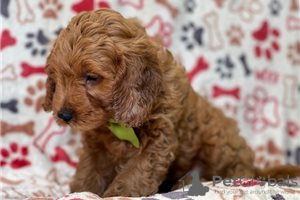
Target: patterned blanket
[[243, 55]]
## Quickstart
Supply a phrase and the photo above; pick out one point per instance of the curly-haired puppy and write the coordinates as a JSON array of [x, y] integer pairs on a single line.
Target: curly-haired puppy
[[105, 67]]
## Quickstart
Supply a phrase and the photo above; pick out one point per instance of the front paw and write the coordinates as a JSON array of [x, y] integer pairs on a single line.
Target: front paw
[[74, 186], [117, 190]]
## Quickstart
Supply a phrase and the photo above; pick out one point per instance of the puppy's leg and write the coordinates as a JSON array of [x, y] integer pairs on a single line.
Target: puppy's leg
[[223, 151], [142, 174], [91, 175]]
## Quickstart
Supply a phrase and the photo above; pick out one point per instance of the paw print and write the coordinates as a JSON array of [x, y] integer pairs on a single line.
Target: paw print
[[225, 67], [37, 43], [14, 156], [275, 7], [235, 35], [262, 180], [190, 5], [50, 8], [32, 93], [267, 40], [192, 35]]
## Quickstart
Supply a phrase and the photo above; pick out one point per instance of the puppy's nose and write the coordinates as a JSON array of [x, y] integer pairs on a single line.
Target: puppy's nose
[[65, 115]]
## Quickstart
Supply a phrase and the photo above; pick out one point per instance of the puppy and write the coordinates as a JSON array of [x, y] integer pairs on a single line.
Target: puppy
[[104, 67]]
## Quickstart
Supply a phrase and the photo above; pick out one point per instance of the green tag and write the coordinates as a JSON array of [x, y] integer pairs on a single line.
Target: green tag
[[124, 133]]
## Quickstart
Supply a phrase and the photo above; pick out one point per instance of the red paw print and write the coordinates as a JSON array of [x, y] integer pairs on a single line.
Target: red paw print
[[267, 40], [14, 156]]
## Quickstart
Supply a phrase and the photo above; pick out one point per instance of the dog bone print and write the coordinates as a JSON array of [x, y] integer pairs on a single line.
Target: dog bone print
[[219, 91], [293, 23], [10, 105], [201, 66], [84, 5], [170, 7], [246, 9], [245, 65], [8, 73], [8, 181], [4, 8], [24, 12], [28, 70], [6, 39], [26, 128], [290, 87], [137, 4], [214, 37], [51, 130], [294, 6], [220, 3], [104, 4], [62, 156]]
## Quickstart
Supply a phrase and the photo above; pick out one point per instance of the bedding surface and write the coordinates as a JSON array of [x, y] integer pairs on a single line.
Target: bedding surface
[[242, 55]]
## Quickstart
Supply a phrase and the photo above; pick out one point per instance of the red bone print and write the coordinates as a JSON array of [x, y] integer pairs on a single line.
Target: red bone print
[[137, 4], [218, 91], [103, 4], [7, 39], [61, 155], [26, 128], [28, 70], [201, 66], [84, 5]]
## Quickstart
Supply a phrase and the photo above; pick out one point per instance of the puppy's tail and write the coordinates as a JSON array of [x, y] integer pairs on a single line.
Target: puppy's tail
[[279, 172]]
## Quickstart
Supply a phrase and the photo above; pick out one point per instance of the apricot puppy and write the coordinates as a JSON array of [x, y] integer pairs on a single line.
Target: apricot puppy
[[104, 67]]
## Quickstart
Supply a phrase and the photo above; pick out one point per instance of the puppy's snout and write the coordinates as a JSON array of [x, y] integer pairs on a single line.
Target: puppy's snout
[[65, 114]]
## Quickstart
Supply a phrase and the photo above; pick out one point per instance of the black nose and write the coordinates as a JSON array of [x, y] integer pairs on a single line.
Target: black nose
[[65, 115]]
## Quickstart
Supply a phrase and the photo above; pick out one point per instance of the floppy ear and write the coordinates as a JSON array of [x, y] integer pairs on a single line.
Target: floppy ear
[[138, 83], [50, 89]]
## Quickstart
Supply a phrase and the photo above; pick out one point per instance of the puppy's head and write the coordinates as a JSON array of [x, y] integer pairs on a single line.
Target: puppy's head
[[102, 67]]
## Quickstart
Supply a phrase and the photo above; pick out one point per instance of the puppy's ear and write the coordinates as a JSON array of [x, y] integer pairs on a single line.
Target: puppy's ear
[[50, 89], [138, 83]]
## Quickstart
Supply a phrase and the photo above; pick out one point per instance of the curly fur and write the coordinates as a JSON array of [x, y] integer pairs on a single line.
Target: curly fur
[[141, 85]]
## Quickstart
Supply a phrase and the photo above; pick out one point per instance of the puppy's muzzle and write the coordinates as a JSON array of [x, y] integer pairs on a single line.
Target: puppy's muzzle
[[65, 115]]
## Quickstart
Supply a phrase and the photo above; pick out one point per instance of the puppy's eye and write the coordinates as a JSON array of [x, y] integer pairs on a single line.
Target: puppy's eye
[[91, 79]]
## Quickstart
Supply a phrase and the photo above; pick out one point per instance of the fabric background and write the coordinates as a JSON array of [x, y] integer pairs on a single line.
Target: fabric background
[[243, 55]]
